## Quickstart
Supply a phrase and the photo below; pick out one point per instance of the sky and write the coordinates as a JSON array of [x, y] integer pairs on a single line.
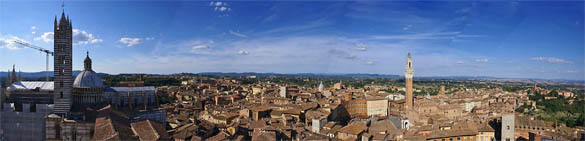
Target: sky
[[508, 39]]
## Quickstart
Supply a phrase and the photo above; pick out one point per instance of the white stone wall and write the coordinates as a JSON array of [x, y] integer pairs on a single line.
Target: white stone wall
[[24, 125]]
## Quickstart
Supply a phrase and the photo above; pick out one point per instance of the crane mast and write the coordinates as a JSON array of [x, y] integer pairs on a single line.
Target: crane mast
[[48, 52]]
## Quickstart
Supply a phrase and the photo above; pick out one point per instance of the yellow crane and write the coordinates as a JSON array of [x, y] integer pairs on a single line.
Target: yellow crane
[[48, 52]]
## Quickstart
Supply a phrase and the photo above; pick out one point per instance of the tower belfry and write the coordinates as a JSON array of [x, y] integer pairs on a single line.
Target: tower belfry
[[63, 69], [408, 74]]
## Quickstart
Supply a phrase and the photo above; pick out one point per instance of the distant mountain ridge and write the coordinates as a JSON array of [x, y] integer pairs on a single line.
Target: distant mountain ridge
[[43, 74], [360, 75]]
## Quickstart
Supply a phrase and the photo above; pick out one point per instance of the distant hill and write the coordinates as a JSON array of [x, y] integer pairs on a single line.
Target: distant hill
[[357, 75], [42, 74]]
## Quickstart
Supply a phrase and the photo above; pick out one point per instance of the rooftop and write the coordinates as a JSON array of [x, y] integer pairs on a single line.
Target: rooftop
[[30, 85]]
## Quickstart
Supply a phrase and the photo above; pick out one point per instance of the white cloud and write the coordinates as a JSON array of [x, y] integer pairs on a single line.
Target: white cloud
[[424, 36], [130, 41], [201, 47], [149, 38], [571, 71], [296, 28], [551, 60], [243, 52], [342, 54], [361, 47], [481, 60], [33, 28], [370, 62], [459, 62], [407, 27], [220, 6], [238, 34], [33, 32], [80, 37], [223, 8], [9, 43], [45, 37]]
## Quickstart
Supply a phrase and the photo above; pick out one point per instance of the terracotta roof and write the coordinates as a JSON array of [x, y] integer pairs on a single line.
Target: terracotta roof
[[382, 126], [484, 127], [354, 128], [257, 124], [112, 125], [219, 137], [451, 133], [148, 130], [104, 130], [259, 108], [263, 136]]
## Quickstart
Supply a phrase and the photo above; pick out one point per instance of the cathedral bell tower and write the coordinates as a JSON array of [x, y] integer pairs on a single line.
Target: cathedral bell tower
[[63, 69]]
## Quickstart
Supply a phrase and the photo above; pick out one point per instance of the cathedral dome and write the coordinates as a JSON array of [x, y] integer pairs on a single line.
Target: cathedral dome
[[88, 78]]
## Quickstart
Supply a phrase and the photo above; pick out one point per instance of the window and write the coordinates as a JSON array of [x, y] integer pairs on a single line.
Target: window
[[62, 59], [508, 127], [33, 108], [61, 84], [61, 94], [60, 47]]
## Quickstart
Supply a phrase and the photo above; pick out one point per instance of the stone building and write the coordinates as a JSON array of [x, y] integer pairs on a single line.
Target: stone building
[[377, 107], [23, 121], [59, 128]]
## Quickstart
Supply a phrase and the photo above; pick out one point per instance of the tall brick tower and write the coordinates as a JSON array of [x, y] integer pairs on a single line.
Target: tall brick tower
[[409, 73], [63, 48]]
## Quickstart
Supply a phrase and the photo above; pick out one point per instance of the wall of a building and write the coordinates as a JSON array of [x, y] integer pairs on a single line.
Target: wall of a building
[[24, 125], [377, 107], [508, 127]]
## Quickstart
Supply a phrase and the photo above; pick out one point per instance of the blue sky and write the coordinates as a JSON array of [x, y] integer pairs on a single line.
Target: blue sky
[[512, 39]]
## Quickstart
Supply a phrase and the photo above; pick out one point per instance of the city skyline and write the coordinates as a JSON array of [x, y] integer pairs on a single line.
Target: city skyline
[[499, 39]]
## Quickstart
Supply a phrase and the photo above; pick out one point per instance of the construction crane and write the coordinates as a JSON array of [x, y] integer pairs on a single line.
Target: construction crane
[[48, 52]]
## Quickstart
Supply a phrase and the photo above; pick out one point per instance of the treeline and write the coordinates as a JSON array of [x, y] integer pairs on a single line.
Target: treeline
[[148, 81], [557, 108]]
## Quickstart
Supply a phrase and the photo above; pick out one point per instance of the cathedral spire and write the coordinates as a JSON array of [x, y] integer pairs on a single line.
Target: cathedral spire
[[14, 79]]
